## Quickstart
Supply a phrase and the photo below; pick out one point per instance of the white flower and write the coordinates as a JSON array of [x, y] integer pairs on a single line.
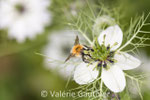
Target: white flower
[[112, 76], [58, 48], [24, 18]]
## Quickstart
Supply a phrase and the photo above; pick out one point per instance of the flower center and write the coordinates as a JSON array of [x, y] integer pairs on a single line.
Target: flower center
[[20, 8], [103, 55]]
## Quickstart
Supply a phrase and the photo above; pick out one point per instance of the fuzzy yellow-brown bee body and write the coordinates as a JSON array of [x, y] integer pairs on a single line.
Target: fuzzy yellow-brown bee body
[[79, 50], [76, 50]]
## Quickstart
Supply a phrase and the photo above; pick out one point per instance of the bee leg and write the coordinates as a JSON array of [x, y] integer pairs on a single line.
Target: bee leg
[[88, 48], [84, 59]]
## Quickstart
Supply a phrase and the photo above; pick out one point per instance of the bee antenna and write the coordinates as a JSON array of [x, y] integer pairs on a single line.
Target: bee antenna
[[71, 55], [76, 40]]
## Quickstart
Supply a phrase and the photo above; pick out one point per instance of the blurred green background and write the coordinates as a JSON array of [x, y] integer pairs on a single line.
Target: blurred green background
[[22, 72]]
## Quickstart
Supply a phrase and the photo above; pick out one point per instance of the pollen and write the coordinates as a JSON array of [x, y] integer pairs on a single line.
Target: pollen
[[76, 50]]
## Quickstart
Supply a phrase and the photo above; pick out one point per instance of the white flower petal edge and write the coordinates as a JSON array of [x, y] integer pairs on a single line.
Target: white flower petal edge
[[85, 74], [113, 35], [126, 61], [114, 78]]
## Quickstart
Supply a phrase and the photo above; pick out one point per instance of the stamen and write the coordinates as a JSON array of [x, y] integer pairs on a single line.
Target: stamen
[[111, 54], [108, 47], [114, 45], [111, 61], [100, 64], [104, 65], [104, 39]]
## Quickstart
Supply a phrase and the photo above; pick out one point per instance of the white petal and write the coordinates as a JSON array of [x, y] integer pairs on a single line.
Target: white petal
[[126, 61], [113, 35], [85, 74], [114, 78]]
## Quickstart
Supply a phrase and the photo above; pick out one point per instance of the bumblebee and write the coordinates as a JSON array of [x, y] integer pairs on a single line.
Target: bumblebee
[[82, 51]]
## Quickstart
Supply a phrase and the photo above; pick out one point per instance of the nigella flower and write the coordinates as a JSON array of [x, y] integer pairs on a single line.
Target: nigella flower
[[24, 18], [111, 61]]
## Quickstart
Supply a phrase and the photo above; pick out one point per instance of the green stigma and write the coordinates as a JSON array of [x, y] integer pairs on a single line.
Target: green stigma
[[103, 55]]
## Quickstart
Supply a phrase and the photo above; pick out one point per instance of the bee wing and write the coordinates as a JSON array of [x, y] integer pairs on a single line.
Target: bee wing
[[76, 40], [71, 55]]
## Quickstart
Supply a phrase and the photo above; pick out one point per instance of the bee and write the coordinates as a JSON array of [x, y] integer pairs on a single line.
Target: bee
[[79, 50]]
